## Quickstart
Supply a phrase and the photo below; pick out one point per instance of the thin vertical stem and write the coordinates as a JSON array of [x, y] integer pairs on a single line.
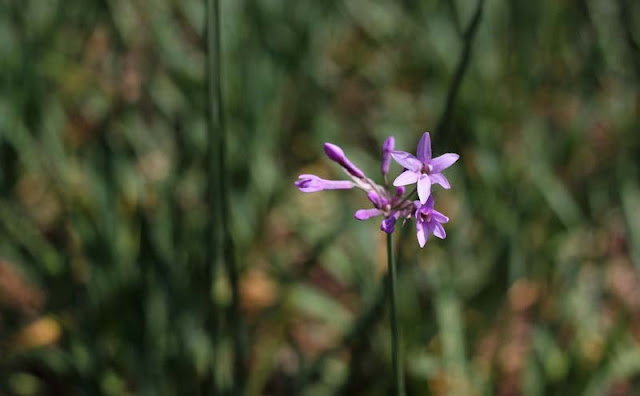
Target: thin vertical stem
[[218, 162], [212, 239], [461, 68], [397, 369]]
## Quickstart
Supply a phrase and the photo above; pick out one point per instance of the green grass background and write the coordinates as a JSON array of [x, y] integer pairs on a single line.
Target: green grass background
[[104, 210]]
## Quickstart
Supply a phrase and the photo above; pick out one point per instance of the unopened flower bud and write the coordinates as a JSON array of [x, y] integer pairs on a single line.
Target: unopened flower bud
[[387, 148], [336, 154], [312, 183]]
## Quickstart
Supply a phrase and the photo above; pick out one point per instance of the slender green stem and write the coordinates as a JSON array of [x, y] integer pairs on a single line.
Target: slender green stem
[[395, 353], [209, 385], [217, 130]]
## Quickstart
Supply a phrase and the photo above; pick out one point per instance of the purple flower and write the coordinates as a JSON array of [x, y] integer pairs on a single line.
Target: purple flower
[[393, 205], [423, 169], [336, 154], [429, 221], [312, 183], [387, 148]]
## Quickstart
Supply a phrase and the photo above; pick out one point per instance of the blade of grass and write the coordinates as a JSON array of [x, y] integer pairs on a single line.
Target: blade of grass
[[461, 69], [451, 328], [212, 241], [217, 168]]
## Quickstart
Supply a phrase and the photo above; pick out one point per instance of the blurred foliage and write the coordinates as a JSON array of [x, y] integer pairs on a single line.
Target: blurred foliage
[[103, 197]]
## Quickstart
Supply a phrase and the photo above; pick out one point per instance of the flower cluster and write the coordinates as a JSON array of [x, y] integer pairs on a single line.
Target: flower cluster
[[392, 203]]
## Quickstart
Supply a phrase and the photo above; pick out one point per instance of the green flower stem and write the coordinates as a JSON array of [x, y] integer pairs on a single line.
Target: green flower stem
[[397, 369]]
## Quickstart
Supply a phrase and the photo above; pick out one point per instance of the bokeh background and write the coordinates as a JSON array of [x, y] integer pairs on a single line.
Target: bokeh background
[[106, 281]]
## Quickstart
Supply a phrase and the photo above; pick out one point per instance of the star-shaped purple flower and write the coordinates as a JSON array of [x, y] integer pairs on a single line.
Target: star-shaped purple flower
[[429, 221], [422, 169]]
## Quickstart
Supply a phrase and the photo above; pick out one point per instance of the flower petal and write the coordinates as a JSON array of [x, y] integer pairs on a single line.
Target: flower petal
[[429, 205], [424, 148], [442, 162], [438, 178], [424, 188], [406, 177], [421, 233], [364, 214], [406, 160], [439, 217], [438, 230]]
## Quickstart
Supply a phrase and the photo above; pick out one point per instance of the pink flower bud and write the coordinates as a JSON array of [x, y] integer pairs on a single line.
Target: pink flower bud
[[387, 148], [336, 154]]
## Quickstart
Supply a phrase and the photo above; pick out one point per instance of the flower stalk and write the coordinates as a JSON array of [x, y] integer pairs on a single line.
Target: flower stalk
[[391, 203], [398, 379]]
